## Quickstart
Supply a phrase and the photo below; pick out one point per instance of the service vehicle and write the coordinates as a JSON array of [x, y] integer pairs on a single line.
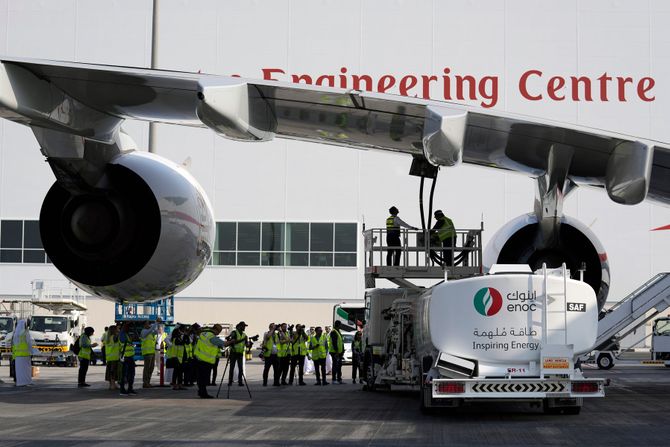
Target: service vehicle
[[509, 335], [350, 315], [660, 340], [136, 314], [52, 337], [347, 341]]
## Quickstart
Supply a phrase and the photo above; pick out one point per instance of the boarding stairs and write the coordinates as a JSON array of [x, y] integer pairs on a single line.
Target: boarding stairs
[[635, 310], [417, 257]]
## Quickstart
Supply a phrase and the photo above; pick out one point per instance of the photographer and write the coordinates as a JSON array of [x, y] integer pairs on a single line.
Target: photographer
[[237, 352], [206, 349], [283, 354], [337, 352], [318, 344], [270, 340], [176, 358], [299, 341]]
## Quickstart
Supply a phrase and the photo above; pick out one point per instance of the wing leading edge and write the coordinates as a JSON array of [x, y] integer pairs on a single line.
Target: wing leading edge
[[91, 101]]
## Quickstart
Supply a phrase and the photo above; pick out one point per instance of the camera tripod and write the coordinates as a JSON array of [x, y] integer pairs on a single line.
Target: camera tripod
[[223, 376]]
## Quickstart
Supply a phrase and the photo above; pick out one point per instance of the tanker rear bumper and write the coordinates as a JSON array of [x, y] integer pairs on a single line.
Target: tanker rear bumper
[[517, 389]]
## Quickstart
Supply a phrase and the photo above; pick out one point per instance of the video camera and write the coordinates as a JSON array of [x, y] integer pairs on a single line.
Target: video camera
[[254, 338]]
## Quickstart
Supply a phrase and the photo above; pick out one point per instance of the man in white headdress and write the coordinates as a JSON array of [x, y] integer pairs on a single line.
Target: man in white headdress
[[22, 347]]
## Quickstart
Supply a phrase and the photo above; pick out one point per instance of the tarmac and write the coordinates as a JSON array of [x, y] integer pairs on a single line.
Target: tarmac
[[54, 412]]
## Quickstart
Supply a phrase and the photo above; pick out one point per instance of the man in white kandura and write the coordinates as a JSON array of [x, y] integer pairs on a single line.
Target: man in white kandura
[[22, 347]]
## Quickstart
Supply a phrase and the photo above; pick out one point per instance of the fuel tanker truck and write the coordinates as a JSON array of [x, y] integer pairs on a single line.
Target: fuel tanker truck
[[508, 335]]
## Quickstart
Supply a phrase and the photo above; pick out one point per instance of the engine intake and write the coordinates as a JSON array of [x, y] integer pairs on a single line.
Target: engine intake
[[517, 243], [148, 234]]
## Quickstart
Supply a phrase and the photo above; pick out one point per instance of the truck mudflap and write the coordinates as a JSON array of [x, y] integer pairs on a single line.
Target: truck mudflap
[[521, 388]]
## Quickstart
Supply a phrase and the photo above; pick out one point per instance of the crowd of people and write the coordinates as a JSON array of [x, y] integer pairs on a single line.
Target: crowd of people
[[287, 349], [193, 352]]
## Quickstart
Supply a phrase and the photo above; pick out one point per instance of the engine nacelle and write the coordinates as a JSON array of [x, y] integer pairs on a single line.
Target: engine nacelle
[[515, 243], [146, 235]]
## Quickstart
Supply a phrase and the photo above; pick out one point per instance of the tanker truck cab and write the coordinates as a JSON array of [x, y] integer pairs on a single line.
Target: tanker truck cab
[[509, 335]]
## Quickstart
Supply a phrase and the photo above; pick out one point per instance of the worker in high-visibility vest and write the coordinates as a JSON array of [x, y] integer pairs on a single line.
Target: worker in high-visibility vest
[[191, 365], [85, 351], [283, 354], [176, 357], [206, 349], [270, 340], [299, 342], [21, 351], [127, 351], [236, 354], [337, 351], [443, 234], [113, 353], [393, 225], [318, 344], [149, 337]]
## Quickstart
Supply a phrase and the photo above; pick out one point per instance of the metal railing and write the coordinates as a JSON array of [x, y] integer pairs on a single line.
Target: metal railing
[[55, 292], [422, 248]]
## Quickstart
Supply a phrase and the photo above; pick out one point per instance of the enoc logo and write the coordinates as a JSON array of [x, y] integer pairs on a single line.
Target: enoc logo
[[488, 301]]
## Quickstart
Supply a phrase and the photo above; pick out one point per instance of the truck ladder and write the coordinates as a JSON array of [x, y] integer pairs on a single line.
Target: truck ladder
[[631, 312]]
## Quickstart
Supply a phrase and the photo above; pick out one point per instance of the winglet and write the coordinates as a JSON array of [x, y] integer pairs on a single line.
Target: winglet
[[443, 135], [236, 110]]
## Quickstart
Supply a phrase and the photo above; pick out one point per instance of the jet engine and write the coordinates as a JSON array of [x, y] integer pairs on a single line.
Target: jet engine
[[519, 242], [145, 231]]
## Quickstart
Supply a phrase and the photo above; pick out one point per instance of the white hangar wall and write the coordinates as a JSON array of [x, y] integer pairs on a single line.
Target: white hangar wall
[[287, 181]]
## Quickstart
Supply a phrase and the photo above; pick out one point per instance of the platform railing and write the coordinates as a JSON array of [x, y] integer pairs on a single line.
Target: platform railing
[[420, 247]]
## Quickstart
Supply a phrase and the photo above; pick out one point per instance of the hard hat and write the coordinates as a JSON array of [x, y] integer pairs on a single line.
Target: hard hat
[[438, 213], [393, 210]]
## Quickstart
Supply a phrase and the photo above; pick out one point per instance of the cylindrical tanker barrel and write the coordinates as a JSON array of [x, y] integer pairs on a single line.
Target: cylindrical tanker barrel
[[498, 321]]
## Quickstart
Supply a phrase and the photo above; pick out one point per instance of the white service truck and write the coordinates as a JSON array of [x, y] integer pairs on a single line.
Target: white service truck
[[7, 325], [507, 335], [660, 340], [53, 335]]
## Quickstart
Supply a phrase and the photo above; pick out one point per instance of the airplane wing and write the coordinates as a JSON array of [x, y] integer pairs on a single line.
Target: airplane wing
[[91, 101]]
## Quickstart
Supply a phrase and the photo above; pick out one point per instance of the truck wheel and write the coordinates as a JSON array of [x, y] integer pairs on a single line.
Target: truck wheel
[[368, 367], [550, 409], [605, 361], [426, 399], [572, 410]]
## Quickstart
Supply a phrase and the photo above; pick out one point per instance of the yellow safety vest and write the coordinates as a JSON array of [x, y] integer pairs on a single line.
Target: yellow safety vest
[[447, 230], [21, 349], [149, 344], [129, 351], [239, 347], [205, 350], [112, 348], [269, 343], [339, 347], [84, 353], [299, 347], [282, 349], [176, 351], [318, 346]]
